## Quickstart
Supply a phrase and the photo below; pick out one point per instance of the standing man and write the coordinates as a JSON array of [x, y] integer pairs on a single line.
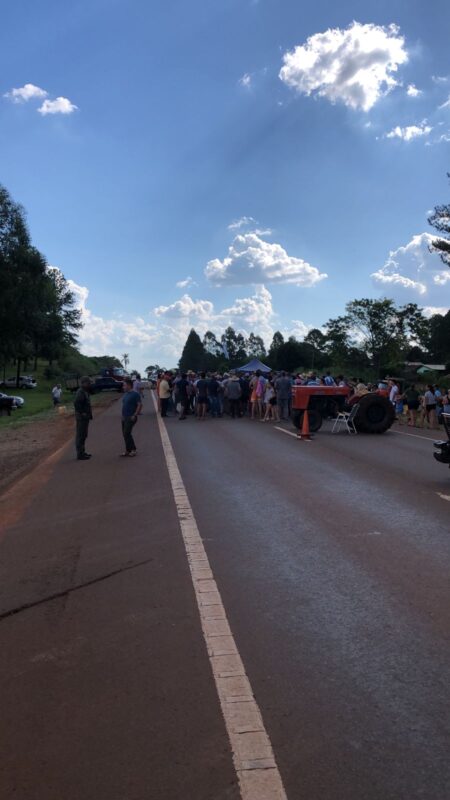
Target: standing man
[[164, 393], [202, 396], [233, 391], [183, 395], [131, 407], [56, 394], [83, 416], [283, 386]]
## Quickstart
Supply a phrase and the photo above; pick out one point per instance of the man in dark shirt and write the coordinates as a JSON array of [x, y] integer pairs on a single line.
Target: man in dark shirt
[[83, 415], [183, 395], [131, 407], [202, 396], [213, 396]]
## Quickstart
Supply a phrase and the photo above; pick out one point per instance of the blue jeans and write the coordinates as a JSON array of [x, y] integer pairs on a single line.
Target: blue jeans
[[214, 406], [283, 406]]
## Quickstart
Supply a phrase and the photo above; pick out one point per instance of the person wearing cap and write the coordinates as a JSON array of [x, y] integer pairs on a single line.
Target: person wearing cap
[[83, 416], [233, 392]]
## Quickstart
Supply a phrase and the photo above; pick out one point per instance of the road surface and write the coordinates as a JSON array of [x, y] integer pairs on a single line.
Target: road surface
[[332, 563]]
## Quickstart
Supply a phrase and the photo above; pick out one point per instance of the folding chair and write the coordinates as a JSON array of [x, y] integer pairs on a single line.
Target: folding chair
[[347, 419]]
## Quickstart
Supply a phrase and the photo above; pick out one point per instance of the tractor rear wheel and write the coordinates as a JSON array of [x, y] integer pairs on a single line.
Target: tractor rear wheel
[[314, 417], [375, 414]]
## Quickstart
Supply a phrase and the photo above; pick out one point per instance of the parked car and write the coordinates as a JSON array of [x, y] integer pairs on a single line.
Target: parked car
[[18, 402], [25, 382]]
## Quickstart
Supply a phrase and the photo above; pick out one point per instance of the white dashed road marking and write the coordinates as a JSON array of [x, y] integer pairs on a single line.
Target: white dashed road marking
[[254, 760], [443, 496]]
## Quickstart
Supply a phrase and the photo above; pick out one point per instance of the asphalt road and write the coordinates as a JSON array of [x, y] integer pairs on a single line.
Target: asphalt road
[[332, 559]]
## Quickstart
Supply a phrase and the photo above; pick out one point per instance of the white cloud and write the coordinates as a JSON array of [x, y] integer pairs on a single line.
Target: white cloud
[[440, 78], [410, 131], [26, 93], [412, 274], [59, 106], [101, 336], [250, 260], [186, 307], [413, 91], [446, 104], [299, 329], [245, 81], [237, 224], [355, 66], [250, 314], [430, 311], [189, 281]]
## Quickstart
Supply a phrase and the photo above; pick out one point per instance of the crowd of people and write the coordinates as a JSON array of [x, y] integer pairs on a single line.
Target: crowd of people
[[419, 407], [267, 397]]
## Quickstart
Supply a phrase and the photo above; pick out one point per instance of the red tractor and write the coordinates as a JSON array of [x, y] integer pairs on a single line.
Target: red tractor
[[375, 413]]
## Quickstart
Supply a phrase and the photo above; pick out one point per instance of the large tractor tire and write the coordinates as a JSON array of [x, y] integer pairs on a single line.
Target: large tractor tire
[[314, 417], [375, 414]]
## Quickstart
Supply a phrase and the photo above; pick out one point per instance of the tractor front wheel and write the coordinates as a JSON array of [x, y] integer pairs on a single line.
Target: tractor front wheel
[[314, 416]]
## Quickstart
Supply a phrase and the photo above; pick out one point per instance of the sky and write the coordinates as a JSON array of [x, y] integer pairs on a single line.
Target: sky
[[257, 163]]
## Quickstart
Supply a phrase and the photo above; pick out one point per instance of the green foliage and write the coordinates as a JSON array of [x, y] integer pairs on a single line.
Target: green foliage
[[37, 310], [374, 332], [438, 340], [73, 362], [440, 220], [233, 346], [194, 354], [254, 347]]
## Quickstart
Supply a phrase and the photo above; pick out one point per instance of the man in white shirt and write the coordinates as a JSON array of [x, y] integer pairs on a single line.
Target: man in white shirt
[[56, 394], [393, 392]]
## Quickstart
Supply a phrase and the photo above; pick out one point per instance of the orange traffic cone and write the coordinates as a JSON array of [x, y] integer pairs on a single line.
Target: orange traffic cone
[[305, 434]]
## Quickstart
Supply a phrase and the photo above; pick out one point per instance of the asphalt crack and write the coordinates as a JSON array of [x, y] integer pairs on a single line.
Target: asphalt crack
[[64, 592]]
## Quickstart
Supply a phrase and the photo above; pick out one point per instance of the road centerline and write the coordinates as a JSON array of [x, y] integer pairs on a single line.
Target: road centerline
[[253, 757]]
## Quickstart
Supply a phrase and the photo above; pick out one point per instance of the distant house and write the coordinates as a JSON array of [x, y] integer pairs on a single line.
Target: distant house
[[422, 369]]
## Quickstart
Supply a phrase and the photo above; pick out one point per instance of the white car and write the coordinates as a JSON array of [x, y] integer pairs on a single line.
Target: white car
[[18, 402], [25, 382]]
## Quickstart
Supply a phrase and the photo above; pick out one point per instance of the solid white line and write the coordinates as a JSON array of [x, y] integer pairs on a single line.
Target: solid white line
[[415, 435], [253, 757], [283, 430]]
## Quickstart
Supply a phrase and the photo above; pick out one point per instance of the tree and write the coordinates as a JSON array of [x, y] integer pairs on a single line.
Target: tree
[[193, 355], [125, 360], [59, 321], [292, 355], [337, 344], [438, 343], [382, 329], [211, 344], [254, 347], [317, 341], [440, 220], [233, 346], [14, 246], [276, 344], [37, 309], [152, 369]]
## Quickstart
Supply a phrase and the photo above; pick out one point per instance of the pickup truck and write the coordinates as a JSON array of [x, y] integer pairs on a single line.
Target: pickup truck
[[98, 384]]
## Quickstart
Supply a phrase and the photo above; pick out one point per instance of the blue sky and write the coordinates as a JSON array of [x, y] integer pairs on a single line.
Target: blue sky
[[277, 158]]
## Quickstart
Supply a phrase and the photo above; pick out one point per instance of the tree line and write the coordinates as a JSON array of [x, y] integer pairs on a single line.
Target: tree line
[[372, 336], [38, 316]]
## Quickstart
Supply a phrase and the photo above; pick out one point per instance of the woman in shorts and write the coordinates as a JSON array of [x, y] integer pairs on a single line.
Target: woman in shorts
[[270, 402], [430, 406]]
